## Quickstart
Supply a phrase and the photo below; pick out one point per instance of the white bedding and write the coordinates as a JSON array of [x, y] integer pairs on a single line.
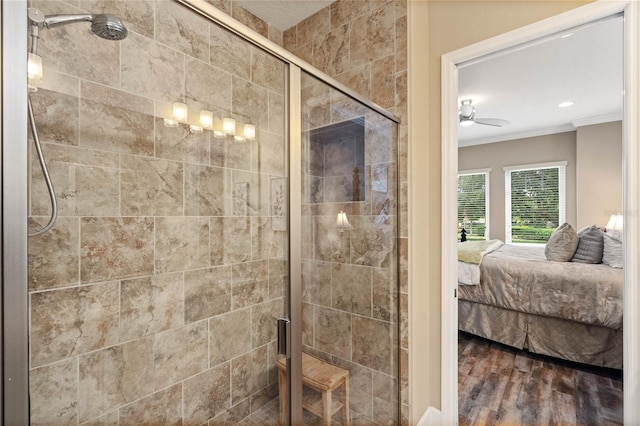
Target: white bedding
[[469, 273]]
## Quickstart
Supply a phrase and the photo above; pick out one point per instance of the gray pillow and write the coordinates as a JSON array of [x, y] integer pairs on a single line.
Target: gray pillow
[[612, 254], [562, 244], [590, 245]]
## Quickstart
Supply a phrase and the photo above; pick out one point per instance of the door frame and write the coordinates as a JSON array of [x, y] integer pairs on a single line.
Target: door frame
[[631, 190]]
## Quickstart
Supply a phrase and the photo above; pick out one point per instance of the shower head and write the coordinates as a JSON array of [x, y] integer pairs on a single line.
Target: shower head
[[105, 26], [108, 27]]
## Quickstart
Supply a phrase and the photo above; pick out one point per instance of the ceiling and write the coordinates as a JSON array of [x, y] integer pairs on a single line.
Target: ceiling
[[525, 85], [284, 14]]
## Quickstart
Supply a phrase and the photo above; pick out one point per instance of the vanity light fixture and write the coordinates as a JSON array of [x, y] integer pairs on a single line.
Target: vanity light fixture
[[221, 127]]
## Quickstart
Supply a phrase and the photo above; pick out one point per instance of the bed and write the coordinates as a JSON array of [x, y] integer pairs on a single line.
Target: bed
[[568, 310]]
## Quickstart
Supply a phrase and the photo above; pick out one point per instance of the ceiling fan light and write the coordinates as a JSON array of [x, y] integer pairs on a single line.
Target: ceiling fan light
[[466, 122]]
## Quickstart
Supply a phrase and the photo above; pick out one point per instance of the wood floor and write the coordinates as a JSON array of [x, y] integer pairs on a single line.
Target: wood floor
[[499, 385]]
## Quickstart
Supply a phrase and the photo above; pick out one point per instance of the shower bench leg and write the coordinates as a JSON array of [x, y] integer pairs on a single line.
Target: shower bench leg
[[321, 378]]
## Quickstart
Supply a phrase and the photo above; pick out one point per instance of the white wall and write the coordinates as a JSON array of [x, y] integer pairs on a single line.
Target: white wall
[[598, 173]]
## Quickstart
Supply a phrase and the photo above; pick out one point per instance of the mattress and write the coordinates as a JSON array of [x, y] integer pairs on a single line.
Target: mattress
[[519, 278]]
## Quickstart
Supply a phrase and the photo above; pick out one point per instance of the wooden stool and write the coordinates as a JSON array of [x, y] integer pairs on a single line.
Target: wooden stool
[[321, 377]]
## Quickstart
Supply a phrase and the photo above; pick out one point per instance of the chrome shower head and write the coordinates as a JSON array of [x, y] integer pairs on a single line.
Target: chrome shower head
[[108, 27], [105, 26]]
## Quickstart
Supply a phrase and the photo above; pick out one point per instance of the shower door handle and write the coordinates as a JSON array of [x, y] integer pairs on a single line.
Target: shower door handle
[[283, 336]]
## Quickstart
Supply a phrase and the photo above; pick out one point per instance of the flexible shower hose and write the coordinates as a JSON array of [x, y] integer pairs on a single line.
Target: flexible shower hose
[[45, 172]]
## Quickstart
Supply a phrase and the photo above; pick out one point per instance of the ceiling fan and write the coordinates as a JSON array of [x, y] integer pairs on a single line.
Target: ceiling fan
[[467, 114]]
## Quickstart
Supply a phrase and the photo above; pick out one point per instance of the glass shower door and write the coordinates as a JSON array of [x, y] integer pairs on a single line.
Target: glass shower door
[[349, 253], [154, 297]]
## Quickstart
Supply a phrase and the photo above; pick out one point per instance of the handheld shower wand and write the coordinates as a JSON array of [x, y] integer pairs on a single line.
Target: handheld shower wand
[[104, 26]]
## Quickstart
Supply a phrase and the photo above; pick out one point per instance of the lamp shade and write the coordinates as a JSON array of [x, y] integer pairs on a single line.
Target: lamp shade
[[342, 222], [229, 125], [218, 130], [615, 223], [180, 112], [206, 119], [249, 131]]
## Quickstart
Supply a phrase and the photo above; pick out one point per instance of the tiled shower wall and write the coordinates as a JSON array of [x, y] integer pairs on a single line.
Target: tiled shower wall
[[153, 299], [363, 44]]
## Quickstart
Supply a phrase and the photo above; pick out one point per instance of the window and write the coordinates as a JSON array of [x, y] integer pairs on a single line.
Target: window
[[473, 204], [534, 201]]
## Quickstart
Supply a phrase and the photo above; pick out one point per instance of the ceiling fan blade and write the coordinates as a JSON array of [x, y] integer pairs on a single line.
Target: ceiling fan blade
[[496, 122]]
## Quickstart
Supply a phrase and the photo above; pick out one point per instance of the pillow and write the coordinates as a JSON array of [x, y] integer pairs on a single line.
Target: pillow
[[590, 245], [562, 244], [612, 254]]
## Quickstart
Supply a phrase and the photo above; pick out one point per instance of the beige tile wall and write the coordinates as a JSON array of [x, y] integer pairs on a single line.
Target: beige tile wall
[[154, 297]]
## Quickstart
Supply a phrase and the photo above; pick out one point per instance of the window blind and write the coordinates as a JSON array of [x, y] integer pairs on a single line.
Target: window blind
[[472, 205], [534, 202]]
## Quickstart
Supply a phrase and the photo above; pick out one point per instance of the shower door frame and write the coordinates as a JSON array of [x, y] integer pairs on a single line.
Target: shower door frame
[[15, 352], [14, 357]]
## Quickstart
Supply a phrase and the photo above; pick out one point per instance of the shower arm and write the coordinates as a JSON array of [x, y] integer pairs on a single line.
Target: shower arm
[[38, 20], [52, 21]]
